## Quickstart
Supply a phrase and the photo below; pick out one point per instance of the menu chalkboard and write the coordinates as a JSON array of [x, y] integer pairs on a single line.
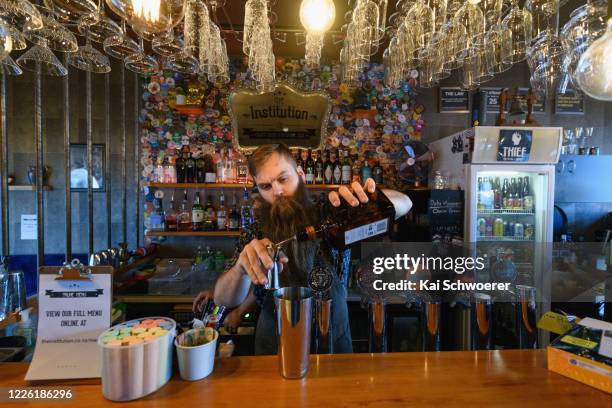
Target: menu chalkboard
[[454, 100], [571, 103], [493, 95], [445, 212]]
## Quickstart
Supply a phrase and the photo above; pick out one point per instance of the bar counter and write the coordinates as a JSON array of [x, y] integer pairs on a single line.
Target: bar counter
[[497, 378]]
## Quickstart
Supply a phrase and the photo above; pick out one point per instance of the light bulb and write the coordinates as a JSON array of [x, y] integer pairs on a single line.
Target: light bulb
[[149, 16], [594, 70], [147, 10], [317, 16]]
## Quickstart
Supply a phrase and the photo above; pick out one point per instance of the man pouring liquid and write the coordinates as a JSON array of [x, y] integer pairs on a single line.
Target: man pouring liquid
[[286, 209]]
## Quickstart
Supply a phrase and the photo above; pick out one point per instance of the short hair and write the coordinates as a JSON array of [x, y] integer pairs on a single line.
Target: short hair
[[264, 152]]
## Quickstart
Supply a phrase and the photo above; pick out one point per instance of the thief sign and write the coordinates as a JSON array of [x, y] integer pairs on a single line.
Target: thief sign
[[514, 145]]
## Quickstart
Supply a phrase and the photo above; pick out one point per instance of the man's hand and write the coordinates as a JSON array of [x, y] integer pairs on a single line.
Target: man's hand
[[255, 260], [200, 300], [354, 197], [233, 320]]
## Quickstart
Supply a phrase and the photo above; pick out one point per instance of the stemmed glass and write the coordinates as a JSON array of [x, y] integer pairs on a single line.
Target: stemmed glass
[[39, 55]]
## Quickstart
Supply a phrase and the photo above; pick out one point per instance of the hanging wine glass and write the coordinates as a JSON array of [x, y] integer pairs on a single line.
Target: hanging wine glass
[[184, 64], [10, 67], [87, 58], [19, 41], [22, 14], [52, 34], [39, 55], [121, 46], [98, 27], [517, 33], [167, 45], [6, 40], [71, 10], [141, 63]]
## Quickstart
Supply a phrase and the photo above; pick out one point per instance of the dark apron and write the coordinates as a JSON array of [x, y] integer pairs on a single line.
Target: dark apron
[[265, 334]]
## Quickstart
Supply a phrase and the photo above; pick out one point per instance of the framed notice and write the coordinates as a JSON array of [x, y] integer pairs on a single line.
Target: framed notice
[[514, 145], [493, 96], [453, 100], [570, 103]]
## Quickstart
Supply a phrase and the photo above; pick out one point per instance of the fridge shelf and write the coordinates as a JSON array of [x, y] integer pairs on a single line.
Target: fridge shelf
[[507, 211], [504, 239]]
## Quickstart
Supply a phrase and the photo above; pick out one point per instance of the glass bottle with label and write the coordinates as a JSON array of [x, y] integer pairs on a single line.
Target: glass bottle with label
[[299, 162], [230, 168], [200, 169], [328, 170], [158, 174], [210, 216], [245, 210], [197, 214], [233, 222], [190, 169], [181, 169], [242, 170], [527, 196], [337, 179], [377, 173], [320, 169], [356, 170], [222, 214], [169, 170], [309, 168], [221, 167], [184, 216], [157, 217], [170, 217], [346, 169], [346, 225], [366, 171]]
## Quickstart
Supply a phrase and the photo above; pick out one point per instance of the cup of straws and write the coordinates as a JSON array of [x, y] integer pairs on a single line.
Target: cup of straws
[[195, 350]]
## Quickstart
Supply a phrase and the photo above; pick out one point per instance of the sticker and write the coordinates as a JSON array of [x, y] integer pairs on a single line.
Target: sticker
[[554, 323], [159, 194], [320, 279], [575, 341], [414, 74]]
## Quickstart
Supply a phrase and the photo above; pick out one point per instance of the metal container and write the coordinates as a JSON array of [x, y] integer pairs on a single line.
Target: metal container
[[323, 326], [294, 322], [15, 292], [131, 372], [273, 278]]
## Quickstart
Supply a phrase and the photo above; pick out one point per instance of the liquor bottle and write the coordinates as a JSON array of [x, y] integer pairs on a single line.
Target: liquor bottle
[[158, 173], [200, 169], [337, 179], [171, 216], [197, 214], [487, 193], [245, 210], [169, 170], [309, 168], [480, 195], [356, 170], [497, 198], [211, 173], [242, 170], [222, 214], [299, 162], [190, 169], [346, 225], [518, 200], [233, 222], [328, 171], [320, 169], [230, 167], [346, 169], [184, 216], [221, 167], [180, 169], [366, 171], [505, 195], [479, 105], [513, 197], [157, 217], [377, 173], [527, 196], [210, 216]]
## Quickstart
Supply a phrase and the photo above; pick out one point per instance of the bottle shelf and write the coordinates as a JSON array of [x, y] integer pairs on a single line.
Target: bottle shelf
[[504, 211], [192, 233], [504, 239], [230, 185]]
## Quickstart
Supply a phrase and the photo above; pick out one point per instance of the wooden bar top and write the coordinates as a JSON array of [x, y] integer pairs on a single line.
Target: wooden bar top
[[514, 378]]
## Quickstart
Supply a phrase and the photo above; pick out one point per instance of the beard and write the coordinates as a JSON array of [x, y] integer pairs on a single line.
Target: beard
[[287, 215]]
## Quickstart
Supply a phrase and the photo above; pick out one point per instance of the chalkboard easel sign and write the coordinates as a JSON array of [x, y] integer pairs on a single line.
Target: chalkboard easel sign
[[570, 103], [445, 212], [453, 100]]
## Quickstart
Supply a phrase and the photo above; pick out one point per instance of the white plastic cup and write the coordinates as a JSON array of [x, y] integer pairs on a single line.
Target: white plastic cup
[[196, 362]]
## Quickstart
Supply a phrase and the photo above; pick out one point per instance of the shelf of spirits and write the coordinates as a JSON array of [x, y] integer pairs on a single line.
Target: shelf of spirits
[[229, 185], [193, 233]]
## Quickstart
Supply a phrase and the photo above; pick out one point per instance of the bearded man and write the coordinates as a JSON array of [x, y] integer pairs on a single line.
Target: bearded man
[[286, 207]]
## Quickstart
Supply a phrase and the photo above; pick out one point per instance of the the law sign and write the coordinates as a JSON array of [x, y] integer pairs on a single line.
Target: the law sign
[[514, 145], [298, 119]]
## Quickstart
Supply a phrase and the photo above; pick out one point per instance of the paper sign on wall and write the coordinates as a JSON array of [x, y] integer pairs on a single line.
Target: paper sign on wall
[[72, 314], [29, 226]]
